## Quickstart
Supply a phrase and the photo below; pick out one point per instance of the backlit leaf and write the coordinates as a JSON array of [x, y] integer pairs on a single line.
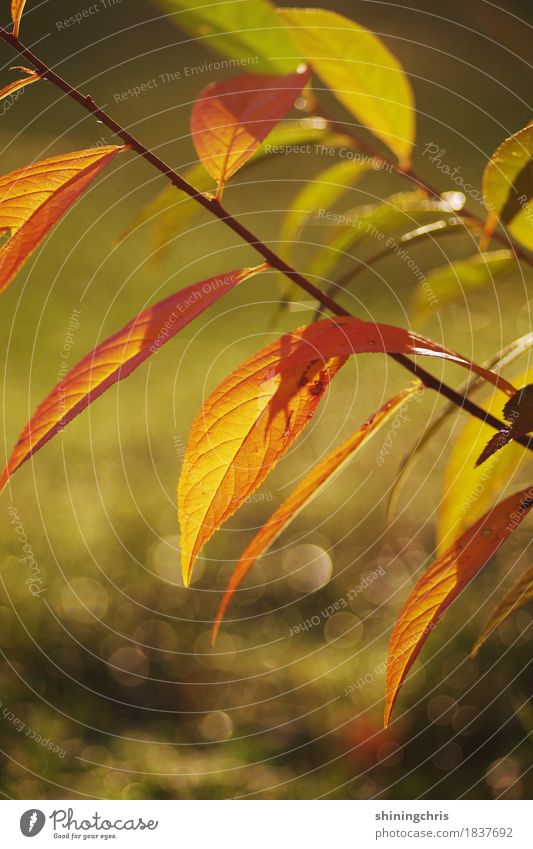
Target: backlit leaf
[[230, 119], [321, 193], [372, 222], [469, 490], [31, 77], [520, 594], [308, 488], [508, 186], [457, 279], [443, 581], [115, 359], [17, 8], [250, 421], [248, 31], [33, 199], [507, 355], [361, 72]]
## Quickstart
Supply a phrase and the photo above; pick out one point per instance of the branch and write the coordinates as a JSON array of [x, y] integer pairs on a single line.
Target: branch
[[411, 175], [214, 206]]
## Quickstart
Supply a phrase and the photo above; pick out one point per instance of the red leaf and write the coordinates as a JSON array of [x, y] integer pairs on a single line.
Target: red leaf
[[115, 359], [442, 583], [230, 119]]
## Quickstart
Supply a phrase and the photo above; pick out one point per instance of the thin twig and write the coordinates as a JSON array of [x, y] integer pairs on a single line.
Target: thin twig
[[214, 206]]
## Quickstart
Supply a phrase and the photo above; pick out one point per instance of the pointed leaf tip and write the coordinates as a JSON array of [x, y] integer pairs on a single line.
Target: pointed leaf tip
[[440, 585]]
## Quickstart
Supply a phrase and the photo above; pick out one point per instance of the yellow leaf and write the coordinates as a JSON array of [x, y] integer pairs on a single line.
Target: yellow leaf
[[468, 491], [308, 488], [31, 77], [361, 72]]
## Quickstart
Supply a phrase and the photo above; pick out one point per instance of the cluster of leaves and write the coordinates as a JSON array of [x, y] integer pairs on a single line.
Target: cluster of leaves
[[250, 421]]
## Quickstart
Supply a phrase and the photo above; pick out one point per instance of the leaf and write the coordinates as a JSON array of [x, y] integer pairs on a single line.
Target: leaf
[[115, 359], [230, 119], [457, 279], [321, 193], [504, 357], [170, 211], [17, 8], [33, 199], [308, 488], [508, 186], [31, 77], [248, 31], [361, 72], [250, 421], [440, 585], [518, 412], [468, 491], [400, 211], [520, 594]]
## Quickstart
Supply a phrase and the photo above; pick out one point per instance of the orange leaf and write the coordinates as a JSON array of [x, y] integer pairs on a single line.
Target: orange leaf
[[115, 359], [307, 489], [33, 199], [17, 8], [230, 119], [254, 416], [31, 77], [520, 594], [442, 583]]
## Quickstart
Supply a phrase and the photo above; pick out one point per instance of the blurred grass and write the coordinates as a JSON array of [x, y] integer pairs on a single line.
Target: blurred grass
[[111, 662]]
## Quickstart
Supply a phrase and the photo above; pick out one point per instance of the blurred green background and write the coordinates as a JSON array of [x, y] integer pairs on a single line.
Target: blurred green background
[[111, 663]]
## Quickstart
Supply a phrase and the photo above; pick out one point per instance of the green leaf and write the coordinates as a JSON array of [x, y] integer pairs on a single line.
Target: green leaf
[[457, 279], [401, 211], [469, 491], [507, 355], [508, 186], [170, 212], [361, 71], [247, 31], [321, 193]]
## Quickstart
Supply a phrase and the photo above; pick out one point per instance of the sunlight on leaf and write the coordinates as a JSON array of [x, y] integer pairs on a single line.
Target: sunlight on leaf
[[361, 72], [246, 426], [454, 281], [372, 222], [17, 8], [440, 585], [230, 119], [468, 491], [115, 359], [248, 31], [320, 193], [507, 355], [508, 187], [31, 77], [33, 199], [520, 594], [308, 488]]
